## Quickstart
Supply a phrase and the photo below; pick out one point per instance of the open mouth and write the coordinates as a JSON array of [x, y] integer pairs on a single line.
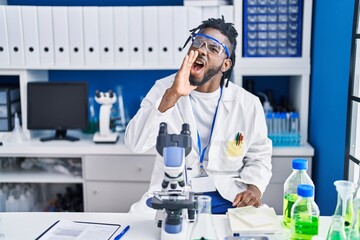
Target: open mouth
[[198, 64]]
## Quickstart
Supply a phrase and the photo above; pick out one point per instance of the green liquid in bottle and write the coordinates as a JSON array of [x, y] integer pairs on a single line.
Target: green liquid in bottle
[[289, 201], [305, 227]]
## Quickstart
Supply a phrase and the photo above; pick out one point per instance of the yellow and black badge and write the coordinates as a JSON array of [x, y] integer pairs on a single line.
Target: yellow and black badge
[[235, 148]]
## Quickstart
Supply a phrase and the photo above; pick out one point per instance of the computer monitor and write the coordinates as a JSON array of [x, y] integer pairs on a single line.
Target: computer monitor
[[59, 106]]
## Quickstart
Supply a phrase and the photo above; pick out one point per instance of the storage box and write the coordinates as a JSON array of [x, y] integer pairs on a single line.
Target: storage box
[[272, 28], [9, 105], [9, 94], [7, 124], [7, 110]]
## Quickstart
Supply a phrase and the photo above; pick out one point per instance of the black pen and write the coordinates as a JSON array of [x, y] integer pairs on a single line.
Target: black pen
[[122, 232]]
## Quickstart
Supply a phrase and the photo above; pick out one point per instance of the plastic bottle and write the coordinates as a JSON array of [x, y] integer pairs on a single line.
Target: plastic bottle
[[17, 136], [294, 123], [11, 204], [297, 177], [204, 227], [304, 214], [336, 230]]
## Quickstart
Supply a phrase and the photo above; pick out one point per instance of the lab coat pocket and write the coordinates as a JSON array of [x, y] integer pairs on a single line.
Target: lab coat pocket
[[232, 159], [234, 149]]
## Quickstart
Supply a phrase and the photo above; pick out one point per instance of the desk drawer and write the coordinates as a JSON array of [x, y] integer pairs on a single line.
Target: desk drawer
[[113, 196], [119, 168]]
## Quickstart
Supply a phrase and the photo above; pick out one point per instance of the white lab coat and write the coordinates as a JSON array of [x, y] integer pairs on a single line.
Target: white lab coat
[[238, 111]]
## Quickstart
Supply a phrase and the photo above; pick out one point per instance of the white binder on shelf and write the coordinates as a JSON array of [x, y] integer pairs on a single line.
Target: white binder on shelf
[[180, 32], [166, 38], [31, 36], [121, 32], [228, 12], [15, 36], [61, 36], [76, 36], [210, 12], [91, 36], [46, 39], [4, 44], [106, 30], [151, 36], [194, 15], [136, 36]]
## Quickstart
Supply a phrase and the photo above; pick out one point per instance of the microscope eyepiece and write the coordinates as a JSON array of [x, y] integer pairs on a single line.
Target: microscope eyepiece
[[111, 94], [163, 128], [185, 129]]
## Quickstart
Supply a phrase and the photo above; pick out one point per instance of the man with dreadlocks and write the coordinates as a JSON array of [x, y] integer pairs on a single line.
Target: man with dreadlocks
[[231, 150]]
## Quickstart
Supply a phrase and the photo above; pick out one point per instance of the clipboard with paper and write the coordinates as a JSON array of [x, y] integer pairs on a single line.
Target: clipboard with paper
[[73, 230]]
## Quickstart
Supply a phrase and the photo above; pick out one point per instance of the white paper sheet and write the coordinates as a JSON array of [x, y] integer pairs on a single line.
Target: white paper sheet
[[69, 230]]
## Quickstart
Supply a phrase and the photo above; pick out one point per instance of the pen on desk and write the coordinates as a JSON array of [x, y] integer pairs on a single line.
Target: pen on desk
[[122, 233]]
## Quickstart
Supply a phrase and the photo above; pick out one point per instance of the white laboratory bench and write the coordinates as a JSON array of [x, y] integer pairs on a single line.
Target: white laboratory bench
[[113, 177], [142, 226]]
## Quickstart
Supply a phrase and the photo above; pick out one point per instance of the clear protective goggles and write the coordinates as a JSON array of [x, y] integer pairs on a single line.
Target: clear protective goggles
[[212, 45]]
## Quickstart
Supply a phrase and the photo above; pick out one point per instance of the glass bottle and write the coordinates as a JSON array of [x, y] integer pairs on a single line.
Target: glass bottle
[[354, 232], [297, 177], [304, 214], [204, 227], [336, 230], [344, 206]]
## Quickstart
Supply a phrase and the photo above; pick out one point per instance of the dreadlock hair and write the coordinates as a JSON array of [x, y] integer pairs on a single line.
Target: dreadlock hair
[[228, 30]]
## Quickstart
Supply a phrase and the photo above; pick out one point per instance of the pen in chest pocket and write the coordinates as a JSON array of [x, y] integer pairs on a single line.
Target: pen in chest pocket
[[239, 138]]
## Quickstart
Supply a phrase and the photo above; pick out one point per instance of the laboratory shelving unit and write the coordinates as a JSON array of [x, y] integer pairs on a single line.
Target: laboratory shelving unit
[[113, 177]]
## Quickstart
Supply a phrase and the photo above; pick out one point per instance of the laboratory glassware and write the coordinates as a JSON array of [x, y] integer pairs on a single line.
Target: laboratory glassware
[[354, 232], [336, 229], [344, 206], [204, 227], [304, 214], [297, 177]]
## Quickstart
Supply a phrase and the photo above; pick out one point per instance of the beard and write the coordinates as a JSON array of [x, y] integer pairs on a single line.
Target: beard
[[208, 75]]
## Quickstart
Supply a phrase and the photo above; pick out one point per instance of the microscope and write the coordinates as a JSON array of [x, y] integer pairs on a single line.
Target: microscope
[[174, 202], [105, 135]]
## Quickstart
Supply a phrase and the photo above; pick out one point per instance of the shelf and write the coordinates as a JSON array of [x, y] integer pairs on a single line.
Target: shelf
[[301, 151], [273, 66], [95, 67], [36, 176], [85, 146]]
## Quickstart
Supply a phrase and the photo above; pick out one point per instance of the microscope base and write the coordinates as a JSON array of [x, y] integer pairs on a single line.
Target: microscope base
[[178, 236], [111, 138]]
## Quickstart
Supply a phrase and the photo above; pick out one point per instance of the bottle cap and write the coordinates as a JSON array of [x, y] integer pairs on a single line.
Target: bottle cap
[[294, 115], [300, 164], [305, 190]]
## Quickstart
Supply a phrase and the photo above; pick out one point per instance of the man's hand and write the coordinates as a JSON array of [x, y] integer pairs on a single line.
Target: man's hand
[[250, 197], [181, 86]]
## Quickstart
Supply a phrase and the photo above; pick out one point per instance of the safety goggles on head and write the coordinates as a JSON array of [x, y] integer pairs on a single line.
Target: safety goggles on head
[[212, 45]]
